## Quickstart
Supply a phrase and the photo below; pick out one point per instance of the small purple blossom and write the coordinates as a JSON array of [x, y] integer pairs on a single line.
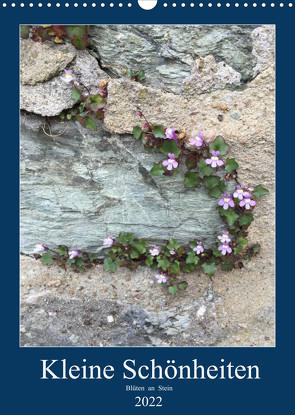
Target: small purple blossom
[[41, 248], [170, 134], [198, 141], [214, 161], [72, 253], [172, 252], [226, 201], [154, 251], [171, 162], [247, 202], [108, 241], [199, 248], [161, 277], [239, 192], [250, 189], [224, 238], [225, 248], [68, 77]]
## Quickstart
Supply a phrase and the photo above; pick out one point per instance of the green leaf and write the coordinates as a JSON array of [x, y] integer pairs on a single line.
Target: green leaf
[[46, 258], [140, 74], [134, 255], [192, 258], [211, 181], [149, 261], [241, 245], [182, 285], [71, 261], [140, 246], [227, 267], [137, 132], [80, 42], [170, 146], [204, 169], [219, 145], [231, 165], [191, 163], [157, 170], [159, 133], [173, 289], [260, 191], [174, 268], [173, 245], [209, 269], [24, 31], [81, 269], [76, 95], [79, 261], [163, 262], [246, 219], [76, 30], [231, 216], [256, 248], [109, 265], [215, 192], [112, 255], [188, 268], [97, 102], [90, 122], [62, 250], [191, 179], [92, 257], [222, 186]]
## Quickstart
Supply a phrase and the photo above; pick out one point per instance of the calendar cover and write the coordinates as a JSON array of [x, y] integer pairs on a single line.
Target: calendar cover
[[143, 190]]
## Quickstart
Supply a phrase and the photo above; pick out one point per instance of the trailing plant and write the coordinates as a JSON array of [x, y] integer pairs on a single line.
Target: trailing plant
[[89, 106], [200, 163], [76, 34]]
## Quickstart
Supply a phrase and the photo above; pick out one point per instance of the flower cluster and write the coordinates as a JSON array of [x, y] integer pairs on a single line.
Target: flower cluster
[[243, 198], [171, 162], [225, 240]]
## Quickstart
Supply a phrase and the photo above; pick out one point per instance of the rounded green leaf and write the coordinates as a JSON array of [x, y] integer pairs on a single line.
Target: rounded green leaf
[[137, 132], [170, 146], [191, 179], [219, 145]]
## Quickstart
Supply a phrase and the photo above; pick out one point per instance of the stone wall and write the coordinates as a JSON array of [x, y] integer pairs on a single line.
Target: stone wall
[[78, 186]]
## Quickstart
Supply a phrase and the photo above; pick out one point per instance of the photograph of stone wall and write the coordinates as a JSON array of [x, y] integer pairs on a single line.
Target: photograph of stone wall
[[78, 185]]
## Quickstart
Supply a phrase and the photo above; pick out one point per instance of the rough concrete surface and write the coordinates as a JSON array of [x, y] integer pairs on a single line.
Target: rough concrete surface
[[81, 185]]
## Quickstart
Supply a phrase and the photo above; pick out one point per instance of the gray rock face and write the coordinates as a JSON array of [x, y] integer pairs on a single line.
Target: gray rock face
[[167, 52], [40, 62], [46, 94], [84, 185]]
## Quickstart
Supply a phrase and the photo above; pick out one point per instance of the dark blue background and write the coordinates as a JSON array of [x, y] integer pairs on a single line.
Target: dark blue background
[[20, 368]]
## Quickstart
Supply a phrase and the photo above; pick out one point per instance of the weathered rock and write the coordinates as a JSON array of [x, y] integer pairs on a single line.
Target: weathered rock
[[167, 53], [263, 47], [51, 97], [207, 76], [125, 309], [39, 62], [84, 185]]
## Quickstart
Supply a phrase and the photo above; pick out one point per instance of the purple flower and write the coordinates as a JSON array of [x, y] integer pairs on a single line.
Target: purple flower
[[224, 238], [172, 252], [171, 162], [72, 253], [170, 134], [68, 76], [198, 141], [108, 241], [250, 189], [161, 277], [155, 251], [214, 161], [226, 201], [225, 248], [199, 248], [239, 192], [40, 248], [247, 202]]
